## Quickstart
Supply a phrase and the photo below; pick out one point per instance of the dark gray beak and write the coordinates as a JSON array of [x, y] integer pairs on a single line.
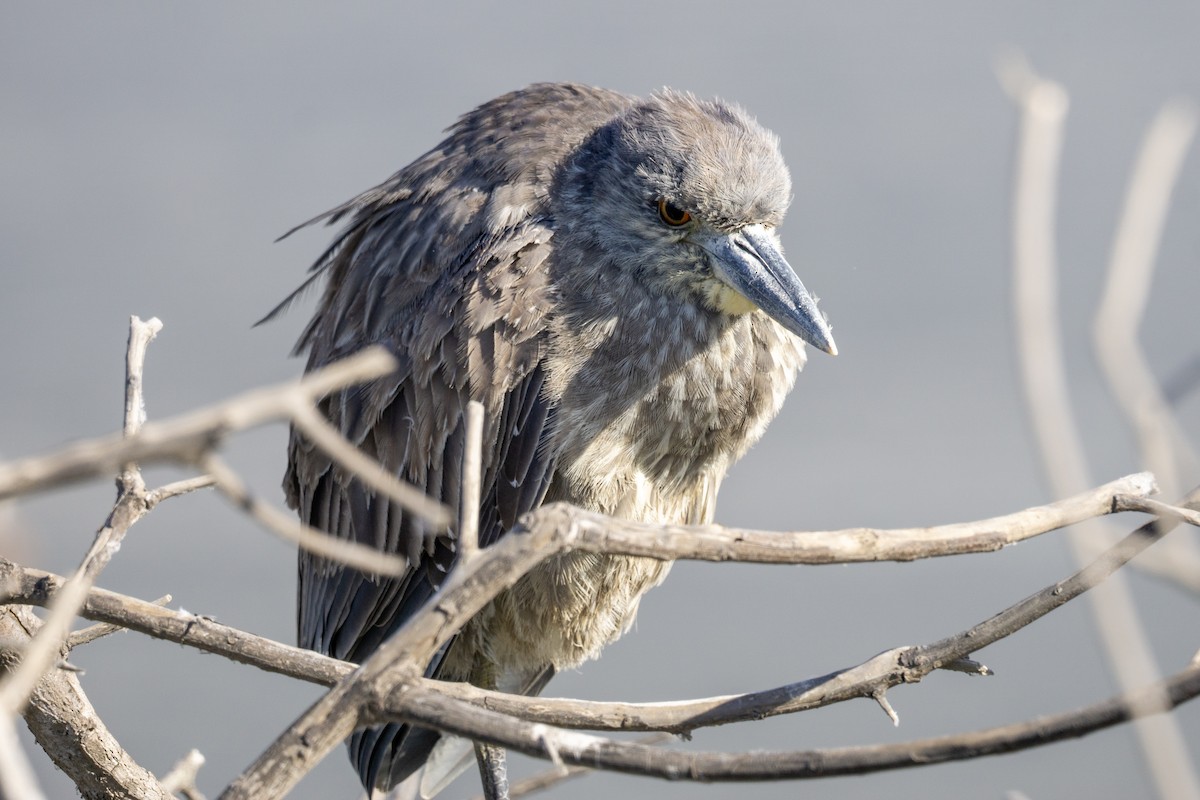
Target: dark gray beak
[[750, 262]]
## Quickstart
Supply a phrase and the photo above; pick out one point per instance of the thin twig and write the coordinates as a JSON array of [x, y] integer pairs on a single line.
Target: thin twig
[[367, 470], [177, 488], [1145, 504], [37, 587], [182, 777], [46, 648], [557, 775], [715, 543], [461, 719], [140, 335], [17, 781], [67, 728], [182, 439], [468, 520], [287, 527], [101, 629], [1043, 106], [1127, 289]]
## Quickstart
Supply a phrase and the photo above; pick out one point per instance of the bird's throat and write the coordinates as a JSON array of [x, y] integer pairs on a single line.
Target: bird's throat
[[719, 296]]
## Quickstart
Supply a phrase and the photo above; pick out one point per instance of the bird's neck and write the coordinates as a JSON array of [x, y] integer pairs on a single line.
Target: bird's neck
[[657, 397]]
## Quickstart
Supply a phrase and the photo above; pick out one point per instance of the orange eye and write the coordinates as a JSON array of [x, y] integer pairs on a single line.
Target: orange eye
[[672, 214]]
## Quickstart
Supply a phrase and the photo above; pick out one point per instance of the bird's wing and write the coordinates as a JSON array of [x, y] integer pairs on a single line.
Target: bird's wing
[[447, 265], [465, 322], [473, 331]]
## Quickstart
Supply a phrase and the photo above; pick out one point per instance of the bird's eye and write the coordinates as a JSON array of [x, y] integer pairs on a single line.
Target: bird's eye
[[672, 214]]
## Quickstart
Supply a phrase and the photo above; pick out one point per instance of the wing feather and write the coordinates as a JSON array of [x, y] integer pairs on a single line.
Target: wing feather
[[457, 342], [447, 264]]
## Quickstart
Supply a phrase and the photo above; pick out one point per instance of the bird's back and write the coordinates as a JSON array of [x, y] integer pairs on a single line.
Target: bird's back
[[443, 264]]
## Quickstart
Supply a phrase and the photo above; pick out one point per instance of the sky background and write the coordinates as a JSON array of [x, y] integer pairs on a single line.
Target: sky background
[[151, 153]]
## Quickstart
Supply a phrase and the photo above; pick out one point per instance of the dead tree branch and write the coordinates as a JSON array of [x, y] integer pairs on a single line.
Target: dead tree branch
[[32, 666], [1161, 437], [1163, 440], [388, 675], [1043, 107], [175, 440], [186, 438], [38, 588], [588, 532], [435, 710], [69, 730], [130, 506], [287, 527]]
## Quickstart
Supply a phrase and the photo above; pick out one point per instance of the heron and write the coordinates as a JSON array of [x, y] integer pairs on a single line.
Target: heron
[[603, 273]]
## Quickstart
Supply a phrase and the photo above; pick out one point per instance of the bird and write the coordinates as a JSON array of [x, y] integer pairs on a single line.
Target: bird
[[603, 273]]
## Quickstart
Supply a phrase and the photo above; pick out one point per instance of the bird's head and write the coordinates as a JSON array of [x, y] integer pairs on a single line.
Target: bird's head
[[687, 194]]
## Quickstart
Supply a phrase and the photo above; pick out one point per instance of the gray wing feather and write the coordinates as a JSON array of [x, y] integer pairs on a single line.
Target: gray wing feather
[[447, 265], [413, 424]]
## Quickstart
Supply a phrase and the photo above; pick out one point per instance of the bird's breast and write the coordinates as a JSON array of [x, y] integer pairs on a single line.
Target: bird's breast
[[653, 404], [662, 401], [649, 418]]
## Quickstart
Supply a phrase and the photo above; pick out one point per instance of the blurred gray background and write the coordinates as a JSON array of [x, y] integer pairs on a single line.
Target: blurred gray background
[[150, 153]]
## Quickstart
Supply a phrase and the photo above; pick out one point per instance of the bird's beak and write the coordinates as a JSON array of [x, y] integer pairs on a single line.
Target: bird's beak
[[750, 262]]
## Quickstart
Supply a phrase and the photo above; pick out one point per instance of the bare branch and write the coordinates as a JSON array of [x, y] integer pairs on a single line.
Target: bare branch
[[553, 529], [34, 586], [17, 781], [468, 518], [102, 629], [869, 679], [1162, 439], [287, 527], [902, 665], [140, 335], [553, 777], [44, 650], [434, 710], [714, 543], [68, 729], [369, 471], [1130, 272], [1043, 106], [184, 438], [182, 777], [358, 699], [186, 486]]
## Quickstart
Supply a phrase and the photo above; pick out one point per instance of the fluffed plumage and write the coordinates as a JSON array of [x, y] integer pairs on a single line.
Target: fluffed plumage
[[526, 262]]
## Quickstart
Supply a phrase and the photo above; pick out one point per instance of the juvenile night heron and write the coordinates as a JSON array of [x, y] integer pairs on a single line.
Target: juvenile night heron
[[602, 273]]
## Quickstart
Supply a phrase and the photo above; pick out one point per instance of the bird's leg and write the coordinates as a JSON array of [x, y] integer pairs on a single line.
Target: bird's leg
[[493, 768]]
